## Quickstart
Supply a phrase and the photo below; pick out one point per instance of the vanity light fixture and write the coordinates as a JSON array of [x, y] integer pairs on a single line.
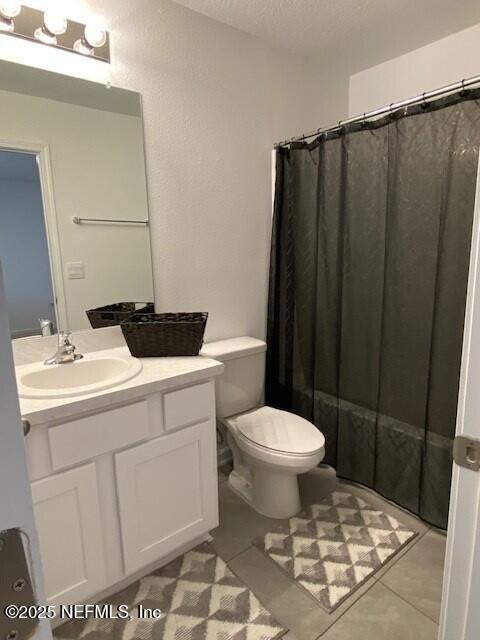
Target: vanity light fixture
[[9, 9], [54, 24], [6, 24], [93, 38], [81, 46], [52, 28]]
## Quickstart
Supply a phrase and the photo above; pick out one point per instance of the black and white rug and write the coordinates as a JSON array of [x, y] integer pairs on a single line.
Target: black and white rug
[[335, 546], [200, 599]]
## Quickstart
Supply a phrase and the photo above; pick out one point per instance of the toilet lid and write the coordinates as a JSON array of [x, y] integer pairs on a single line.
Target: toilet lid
[[280, 431]]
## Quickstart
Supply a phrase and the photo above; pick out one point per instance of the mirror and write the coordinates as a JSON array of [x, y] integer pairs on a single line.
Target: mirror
[[74, 232]]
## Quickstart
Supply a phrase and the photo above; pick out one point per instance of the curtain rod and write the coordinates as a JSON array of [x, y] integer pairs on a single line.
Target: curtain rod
[[423, 97]]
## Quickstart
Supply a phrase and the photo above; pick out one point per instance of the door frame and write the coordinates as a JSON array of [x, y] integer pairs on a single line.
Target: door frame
[[41, 150], [16, 507], [460, 617]]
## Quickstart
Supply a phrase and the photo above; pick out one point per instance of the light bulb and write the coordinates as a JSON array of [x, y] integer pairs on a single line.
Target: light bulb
[[6, 25], [44, 36], [82, 47], [10, 8], [95, 36], [55, 22]]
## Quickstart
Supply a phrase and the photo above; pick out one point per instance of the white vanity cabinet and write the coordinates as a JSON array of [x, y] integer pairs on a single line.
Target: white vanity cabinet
[[67, 514], [120, 491], [166, 493]]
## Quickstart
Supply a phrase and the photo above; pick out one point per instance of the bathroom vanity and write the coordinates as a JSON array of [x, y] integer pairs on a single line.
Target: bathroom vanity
[[121, 453], [123, 479]]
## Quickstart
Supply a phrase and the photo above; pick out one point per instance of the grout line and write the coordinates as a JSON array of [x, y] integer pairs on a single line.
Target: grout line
[[408, 602], [399, 556], [249, 546], [435, 529], [374, 579], [239, 553], [379, 580], [314, 600], [334, 622]]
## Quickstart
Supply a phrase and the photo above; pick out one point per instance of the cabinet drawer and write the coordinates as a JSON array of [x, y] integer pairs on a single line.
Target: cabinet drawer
[[86, 438], [187, 406]]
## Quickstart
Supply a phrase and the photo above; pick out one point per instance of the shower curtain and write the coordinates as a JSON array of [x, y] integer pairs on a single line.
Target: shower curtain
[[368, 278]]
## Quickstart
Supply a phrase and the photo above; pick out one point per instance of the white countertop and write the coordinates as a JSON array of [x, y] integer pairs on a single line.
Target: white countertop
[[157, 374]]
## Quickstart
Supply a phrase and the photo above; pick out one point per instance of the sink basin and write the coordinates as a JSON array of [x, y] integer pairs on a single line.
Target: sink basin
[[88, 375]]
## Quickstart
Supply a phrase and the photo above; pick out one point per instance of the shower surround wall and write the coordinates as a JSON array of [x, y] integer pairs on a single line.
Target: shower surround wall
[[369, 270]]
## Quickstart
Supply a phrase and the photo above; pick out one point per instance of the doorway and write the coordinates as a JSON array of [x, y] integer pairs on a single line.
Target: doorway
[[24, 245]]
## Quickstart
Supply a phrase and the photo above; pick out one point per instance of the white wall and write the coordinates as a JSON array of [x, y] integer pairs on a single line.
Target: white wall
[[215, 99], [24, 255], [97, 164], [435, 65]]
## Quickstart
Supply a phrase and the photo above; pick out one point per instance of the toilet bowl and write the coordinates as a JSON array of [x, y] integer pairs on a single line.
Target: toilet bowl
[[270, 447]]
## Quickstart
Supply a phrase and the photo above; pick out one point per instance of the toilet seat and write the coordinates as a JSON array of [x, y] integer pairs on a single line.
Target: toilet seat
[[278, 432], [271, 448]]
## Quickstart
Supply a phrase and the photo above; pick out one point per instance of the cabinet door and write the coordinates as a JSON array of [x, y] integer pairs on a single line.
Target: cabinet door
[[67, 516], [167, 491]]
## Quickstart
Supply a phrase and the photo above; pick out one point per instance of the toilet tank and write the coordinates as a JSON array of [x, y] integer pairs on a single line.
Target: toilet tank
[[240, 387]]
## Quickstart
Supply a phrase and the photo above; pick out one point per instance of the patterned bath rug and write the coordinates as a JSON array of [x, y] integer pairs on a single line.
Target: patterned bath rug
[[200, 599], [335, 546]]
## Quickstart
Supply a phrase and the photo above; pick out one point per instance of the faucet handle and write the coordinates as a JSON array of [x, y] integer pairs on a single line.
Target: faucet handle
[[65, 344], [65, 350], [64, 338]]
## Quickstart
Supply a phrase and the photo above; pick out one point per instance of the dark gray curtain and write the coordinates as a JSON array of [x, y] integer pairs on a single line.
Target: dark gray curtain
[[369, 268]]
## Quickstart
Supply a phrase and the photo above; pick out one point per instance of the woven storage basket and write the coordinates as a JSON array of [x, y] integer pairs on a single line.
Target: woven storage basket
[[164, 334], [114, 314]]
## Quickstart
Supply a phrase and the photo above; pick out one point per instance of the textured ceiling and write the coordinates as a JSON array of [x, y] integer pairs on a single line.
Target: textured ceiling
[[355, 33]]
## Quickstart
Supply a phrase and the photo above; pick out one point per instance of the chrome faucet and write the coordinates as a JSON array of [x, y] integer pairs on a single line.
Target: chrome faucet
[[65, 350]]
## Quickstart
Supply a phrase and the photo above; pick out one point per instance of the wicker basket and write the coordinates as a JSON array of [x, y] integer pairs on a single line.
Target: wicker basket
[[164, 334], [114, 314]]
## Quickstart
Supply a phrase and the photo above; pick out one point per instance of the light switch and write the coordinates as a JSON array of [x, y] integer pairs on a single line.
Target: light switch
[[75, 270]]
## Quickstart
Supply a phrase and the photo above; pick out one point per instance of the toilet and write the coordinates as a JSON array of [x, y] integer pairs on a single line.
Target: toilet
[[270, 447]]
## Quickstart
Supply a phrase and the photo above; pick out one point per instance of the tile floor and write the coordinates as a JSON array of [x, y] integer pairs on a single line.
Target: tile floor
[[400, 602]]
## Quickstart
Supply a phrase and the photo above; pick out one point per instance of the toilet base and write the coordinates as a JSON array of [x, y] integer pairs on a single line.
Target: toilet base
[[273, 494], [241, 486]]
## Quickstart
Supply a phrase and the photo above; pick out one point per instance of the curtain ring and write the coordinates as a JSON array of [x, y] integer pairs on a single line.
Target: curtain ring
[[424, 101], [464, 91], [364, 121]]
